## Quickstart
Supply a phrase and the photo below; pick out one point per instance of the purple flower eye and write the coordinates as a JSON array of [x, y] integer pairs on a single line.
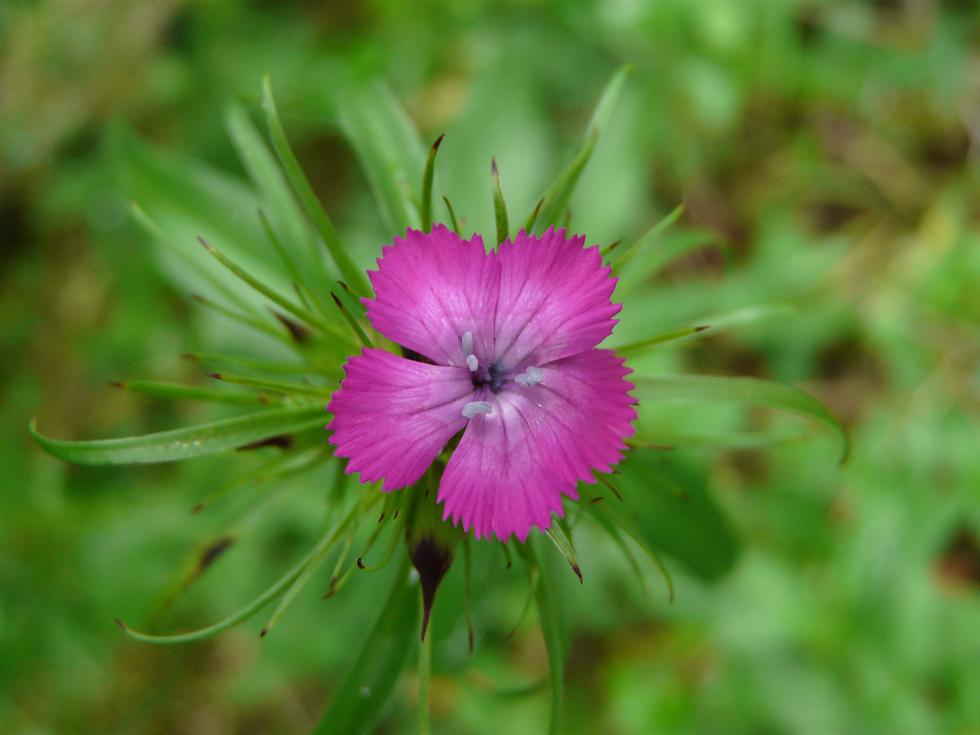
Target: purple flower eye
[[512, 336]]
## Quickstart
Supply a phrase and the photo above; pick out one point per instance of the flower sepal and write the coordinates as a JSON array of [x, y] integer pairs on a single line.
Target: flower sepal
[[431, 542]]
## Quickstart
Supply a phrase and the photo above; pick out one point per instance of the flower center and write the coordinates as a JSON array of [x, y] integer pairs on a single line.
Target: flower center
[[493, 378]]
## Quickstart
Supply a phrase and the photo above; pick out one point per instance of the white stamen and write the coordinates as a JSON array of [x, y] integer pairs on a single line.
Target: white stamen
[[467, 344], [472, 363], [533, 376], [473, 408]]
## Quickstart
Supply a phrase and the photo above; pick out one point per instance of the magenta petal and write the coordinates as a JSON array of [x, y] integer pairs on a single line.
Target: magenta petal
[[512, 467], [432, 288], [392, 416], [554, 298]]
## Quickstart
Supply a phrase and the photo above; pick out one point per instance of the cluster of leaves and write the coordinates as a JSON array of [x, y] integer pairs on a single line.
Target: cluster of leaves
[[273, 265]]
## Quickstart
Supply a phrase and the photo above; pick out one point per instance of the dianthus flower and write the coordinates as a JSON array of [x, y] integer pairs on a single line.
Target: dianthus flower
[[501, 346]]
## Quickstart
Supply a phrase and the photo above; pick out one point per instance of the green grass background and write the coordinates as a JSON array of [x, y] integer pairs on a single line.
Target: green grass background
[[832, 149]]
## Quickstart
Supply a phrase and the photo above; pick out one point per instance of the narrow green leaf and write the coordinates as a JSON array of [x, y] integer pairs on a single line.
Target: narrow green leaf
[[533, 217], [313, 563], [244, 614], [722, 437], [554, 625], [163, 389], [452, 215], [556, 197], [666, 507], [280, 468], [612, 518], [275, 386], [245, 319], [561, 541], [307, 197], [303, 258], [188, 199], [180, 444], [294, 273], [206, 275], [360, 698], [389, 149], [555, 200], [499, 205], [603, 520], [353, 304], [716, 323], [648, 261], [607, 100], [624, 255], [221, 361], [705, 388], [341, 305], [635, 348], [270, 293], [427, 178], [748, 315]]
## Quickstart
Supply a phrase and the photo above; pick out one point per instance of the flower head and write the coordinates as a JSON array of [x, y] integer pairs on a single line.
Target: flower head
[[506, 353]]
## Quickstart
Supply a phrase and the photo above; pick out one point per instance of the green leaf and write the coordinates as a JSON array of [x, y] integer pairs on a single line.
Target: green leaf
[[554, 624], [221, 361], [668, 510], [307, 197], [201, 274], [187, 200], [359, 699], [607, 101], [301, 252], [180, 444], [552, 205], [750, 391], [563, 543], [427, 178], [389, 149], [294, 272], [312, 564], [245, 613], [257, 324], [623, 255], [648, 261], [452, 215], [270, 293], [162, 389], [342, 301], [499, 205], [642, 345], [275, 386], [614, 526]]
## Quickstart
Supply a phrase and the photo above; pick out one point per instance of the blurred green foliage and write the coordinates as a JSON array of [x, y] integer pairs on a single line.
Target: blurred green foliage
[[827, 154]]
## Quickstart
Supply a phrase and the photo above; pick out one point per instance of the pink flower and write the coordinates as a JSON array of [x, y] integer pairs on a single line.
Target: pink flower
[[507, 347]]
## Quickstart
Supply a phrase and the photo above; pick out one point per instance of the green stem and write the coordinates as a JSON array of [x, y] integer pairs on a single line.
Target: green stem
[[425, 674]]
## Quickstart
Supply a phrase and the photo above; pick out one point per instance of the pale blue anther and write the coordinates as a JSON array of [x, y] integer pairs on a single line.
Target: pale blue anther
[[474, 408]]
